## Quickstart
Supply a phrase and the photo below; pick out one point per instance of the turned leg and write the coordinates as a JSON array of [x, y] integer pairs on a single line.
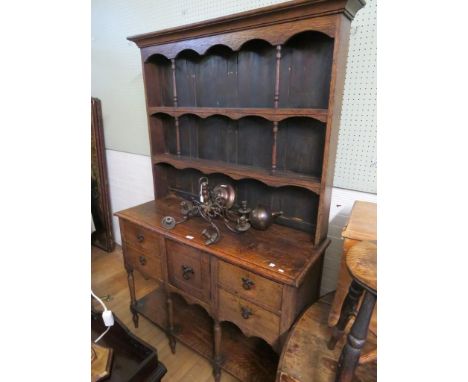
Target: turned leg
[[133, 301], [170, 321], [347, 310], [217, 351], [349, 357]]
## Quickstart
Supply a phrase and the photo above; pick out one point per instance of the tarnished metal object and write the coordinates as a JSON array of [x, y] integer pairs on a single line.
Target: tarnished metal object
[[219, 203], [225, 194], [168, 222], [261, 217]]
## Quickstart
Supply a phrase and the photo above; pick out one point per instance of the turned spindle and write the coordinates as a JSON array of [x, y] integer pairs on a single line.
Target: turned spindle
[[174, 88], [273, 150], [277, 76], [276, 103]]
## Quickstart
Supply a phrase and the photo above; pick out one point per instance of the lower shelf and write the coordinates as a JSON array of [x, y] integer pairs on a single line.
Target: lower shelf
[[248, 359]]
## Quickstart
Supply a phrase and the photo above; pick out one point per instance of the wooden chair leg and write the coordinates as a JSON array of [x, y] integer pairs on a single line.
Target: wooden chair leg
[[347, 310], [349, 357]]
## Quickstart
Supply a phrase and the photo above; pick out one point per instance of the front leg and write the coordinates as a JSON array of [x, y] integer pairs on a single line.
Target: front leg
[[133, 300], [217, 351], [170, 321]]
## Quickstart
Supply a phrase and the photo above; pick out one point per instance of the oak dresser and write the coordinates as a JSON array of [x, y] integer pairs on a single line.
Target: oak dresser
[[251, 100]]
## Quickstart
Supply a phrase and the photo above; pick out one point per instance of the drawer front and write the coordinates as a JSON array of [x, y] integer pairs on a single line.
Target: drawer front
[[140, 238], [250, 318], [250, 286], [189, 269], [148, 265]]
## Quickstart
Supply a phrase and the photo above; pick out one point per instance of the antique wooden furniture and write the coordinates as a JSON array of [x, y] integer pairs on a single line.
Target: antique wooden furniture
[[362, 225], [306, 357], [361, 261], [132, 359], [251, 100], [102, 237]]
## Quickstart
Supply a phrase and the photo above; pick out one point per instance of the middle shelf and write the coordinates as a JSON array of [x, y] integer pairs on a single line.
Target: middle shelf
[[235, 171], [271, 114]]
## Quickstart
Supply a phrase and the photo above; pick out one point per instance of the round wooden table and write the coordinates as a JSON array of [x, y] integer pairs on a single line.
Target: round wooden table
[[361, 261]]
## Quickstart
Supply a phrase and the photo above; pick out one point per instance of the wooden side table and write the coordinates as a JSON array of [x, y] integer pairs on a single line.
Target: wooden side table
[[362, 225]]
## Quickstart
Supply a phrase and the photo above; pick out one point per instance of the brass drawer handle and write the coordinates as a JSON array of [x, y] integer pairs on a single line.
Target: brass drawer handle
[[142, 260], [246, 312], [187, 272], [140, 237], [247, 284]]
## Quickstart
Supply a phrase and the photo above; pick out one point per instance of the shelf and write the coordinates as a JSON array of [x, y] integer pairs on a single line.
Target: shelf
[[236, 113], [278, 179], [194, 328]]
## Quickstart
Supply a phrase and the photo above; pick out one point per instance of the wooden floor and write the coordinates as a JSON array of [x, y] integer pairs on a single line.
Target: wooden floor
[[109, 278]]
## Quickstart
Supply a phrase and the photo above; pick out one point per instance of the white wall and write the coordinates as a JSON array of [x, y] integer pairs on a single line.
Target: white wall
[[130, 183]]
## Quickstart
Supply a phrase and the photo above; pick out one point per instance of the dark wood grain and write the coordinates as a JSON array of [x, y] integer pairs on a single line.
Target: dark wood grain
[[103, 237]]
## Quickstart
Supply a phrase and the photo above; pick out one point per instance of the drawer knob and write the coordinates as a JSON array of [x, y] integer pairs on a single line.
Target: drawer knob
[[187, 272], [140, 237], [247, 284], [246, 312], [142, 260]]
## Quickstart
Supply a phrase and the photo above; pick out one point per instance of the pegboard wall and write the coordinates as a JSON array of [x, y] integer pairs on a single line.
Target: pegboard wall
[[356, 162], [117, 76]]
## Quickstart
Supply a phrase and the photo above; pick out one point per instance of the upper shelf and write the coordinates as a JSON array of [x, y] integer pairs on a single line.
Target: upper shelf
[[276, 179], [235, 113]]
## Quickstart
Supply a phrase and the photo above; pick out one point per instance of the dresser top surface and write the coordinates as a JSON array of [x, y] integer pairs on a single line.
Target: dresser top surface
[[292, 252]]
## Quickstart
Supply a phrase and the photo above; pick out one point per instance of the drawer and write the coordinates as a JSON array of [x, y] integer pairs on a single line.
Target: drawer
[[250, 286], [189, 269], [148, 265], [250, 318], [140, 238]]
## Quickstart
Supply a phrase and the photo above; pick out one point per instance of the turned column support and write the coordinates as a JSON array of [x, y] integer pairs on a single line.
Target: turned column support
[[277, 75], [273, 150], [176, 102], [351, 352], [276, 104], [348, 309]]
